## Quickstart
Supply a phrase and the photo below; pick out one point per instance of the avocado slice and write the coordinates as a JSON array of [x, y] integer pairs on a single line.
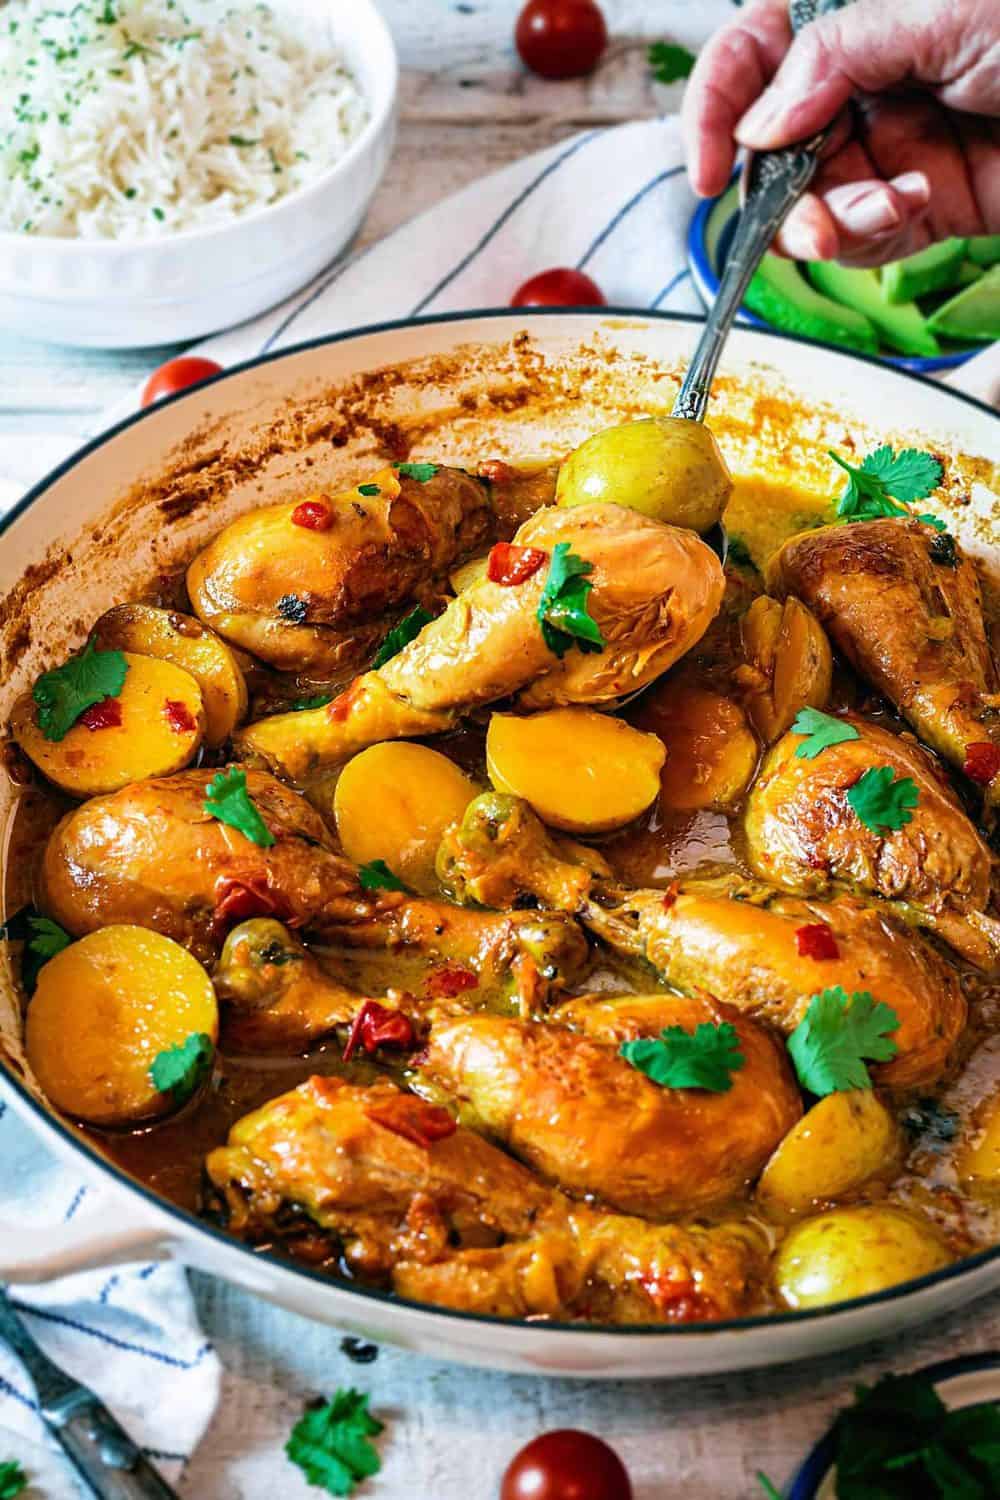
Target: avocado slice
[[781, 295], [973, 313], [968, 272], [984, 249], [902, 326], [929, 270]]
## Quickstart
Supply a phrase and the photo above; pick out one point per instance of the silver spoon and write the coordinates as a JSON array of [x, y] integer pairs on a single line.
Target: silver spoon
[[771, 183]]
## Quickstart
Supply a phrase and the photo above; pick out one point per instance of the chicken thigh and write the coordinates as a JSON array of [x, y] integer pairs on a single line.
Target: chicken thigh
[[389, 1183], [656, 589]]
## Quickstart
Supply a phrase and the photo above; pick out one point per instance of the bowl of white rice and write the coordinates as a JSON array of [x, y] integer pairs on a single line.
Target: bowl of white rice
[[172, 167]]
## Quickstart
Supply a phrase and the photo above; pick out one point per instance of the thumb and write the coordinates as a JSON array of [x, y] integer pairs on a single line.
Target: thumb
[[865, 48]]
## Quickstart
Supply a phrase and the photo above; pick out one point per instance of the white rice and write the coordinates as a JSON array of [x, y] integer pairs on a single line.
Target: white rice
[[127, 119]]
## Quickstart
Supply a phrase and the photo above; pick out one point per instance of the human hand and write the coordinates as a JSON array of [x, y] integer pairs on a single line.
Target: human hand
[[916, 156]]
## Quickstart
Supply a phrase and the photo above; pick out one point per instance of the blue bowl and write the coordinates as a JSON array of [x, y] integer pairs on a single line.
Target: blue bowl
[[710, 234]]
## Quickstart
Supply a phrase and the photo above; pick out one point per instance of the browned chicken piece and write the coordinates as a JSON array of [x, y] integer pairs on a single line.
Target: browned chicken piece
[[566, 1103], [704, 938], [310, 587], [151, 855], [388, 1182], [656, 589], [903, 605], [275, 994], [803, 835]]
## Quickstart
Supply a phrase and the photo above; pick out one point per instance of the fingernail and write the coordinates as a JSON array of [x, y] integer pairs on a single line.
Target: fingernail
[[762, 116], [871, 212], [914, 187]]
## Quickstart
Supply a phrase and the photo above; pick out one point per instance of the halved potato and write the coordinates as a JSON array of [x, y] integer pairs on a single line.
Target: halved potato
[[852, 1252], [147, 631], [788, 666], [393, 802], [579, 769], [162, 721], [978, 1160], [468, 574], [844, 1140], [104, 1010], [711, 752]]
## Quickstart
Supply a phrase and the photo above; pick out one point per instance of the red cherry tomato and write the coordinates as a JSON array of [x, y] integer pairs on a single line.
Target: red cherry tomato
[[560, 38], [560, 287], [566, 1465], [176, 375]]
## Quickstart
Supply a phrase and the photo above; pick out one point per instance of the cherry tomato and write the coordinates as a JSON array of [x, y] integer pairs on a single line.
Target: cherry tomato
[[566, 1465], [176, 375], [560, 287], [560, 38]]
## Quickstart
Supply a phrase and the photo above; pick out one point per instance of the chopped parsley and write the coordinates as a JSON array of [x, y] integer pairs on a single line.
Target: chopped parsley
[[838, 1032], [883, 802], [369, 490], [42, 939], [669, 61], [243, 140], [66, 692], [318, 700], [376, 876], [562, 610], [13, 1479], [181, 1071], [420, 472], [401, 635], [330, 1443], [678, 1059], [228, 800], [821, 731], [886, 483]]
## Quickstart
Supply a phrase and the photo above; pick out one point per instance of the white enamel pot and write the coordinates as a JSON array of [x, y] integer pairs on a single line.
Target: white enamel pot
[[144, 496]]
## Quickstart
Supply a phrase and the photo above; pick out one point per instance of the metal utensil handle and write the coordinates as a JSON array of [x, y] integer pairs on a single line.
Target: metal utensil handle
[[772, 182], [102, 1451]]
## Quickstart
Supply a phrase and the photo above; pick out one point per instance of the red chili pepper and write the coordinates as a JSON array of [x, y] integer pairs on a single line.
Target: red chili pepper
[[982, 762], [815, 940], [509, 564], [239, 897], [446, 983], [340, 707], [313, 515], [414, 1119], [678, 1301], [670, 895], [377, 1026], [104, 715], [495, 471], [179, 716]]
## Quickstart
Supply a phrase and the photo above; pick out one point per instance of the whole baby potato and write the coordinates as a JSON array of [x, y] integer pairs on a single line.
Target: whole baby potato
[[665, 467], [852, 1252]]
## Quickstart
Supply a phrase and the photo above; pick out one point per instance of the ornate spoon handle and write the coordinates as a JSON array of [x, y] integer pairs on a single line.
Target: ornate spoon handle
[[772, 182]]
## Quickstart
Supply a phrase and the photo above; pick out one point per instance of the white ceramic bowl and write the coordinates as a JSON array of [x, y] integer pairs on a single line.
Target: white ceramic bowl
[[112, 295], [513, 384]]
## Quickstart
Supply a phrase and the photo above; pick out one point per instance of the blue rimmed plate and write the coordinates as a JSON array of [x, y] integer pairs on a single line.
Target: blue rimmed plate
[[710, 234]]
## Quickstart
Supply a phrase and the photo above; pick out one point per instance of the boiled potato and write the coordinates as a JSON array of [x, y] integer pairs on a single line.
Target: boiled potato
[[978, 1160], [162, 724], [393, 802], [468, 574], [711, 750], [104, 1010], [789, 665], [665, 467], [579, 769], [843, 1141], [188, 643], [852, 1252]]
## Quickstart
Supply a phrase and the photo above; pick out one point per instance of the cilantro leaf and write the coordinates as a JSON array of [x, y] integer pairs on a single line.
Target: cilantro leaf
[[228, 800], [881, 801], [669, 62], [885, 482], [679, 1059], [420, 472], [376, 876], [401, 635], [330, 1443], [299, 705], [821, 731], [562, 609], [42, 939], [369, 490], [66, 692], [13, 1479], [181, 1071], [837, 1033]]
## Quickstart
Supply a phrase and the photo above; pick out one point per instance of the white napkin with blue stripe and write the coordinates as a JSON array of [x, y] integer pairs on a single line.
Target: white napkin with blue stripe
[[613, 202]]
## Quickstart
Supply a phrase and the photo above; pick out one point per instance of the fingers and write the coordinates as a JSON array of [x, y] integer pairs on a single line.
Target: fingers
[[734, 67], [909, 132], [852, 215]]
